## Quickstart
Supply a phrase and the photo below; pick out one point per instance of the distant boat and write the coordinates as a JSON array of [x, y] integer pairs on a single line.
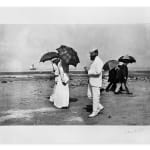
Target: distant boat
[[32, 67]]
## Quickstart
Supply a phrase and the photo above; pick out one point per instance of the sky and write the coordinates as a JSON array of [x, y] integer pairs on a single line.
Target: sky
[[27, 33], [23, 45]]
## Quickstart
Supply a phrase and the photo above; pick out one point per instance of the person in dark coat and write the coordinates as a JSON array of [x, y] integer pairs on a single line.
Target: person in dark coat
[[112, 80], [121, 78]]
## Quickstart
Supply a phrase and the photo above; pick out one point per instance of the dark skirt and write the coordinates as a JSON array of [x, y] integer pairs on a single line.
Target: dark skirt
[[118, 75], [112, 76], [121, 74]]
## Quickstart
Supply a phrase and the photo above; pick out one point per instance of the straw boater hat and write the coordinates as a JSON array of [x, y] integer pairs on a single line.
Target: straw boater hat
[[93, 50]]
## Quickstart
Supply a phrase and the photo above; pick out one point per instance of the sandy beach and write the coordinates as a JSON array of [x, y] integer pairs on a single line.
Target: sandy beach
[[25, 101]]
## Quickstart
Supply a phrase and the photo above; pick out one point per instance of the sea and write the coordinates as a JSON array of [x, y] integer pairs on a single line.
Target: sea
[[133, 74]]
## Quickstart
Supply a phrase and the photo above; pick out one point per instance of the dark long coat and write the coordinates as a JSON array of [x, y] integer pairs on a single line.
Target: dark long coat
[[121, 74]]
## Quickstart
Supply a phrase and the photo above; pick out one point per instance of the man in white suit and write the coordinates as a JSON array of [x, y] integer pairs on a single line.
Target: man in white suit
[[95, 82]]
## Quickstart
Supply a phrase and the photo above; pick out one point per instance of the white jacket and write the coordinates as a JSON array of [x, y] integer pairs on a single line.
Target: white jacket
[[96, 68]]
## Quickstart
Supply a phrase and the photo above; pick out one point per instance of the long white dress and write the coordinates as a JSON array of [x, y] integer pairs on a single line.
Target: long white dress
[[61, 94], [56, 73]]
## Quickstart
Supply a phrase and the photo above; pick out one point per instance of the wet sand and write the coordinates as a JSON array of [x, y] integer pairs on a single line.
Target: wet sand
[[25, 102]]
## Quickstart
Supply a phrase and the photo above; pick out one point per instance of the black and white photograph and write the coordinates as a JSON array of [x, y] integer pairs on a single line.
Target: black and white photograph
[[74, 74], [68, 72]]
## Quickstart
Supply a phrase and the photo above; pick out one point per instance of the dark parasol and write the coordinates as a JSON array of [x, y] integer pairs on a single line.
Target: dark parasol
[[111, 64], [68, 55], [49, 56]]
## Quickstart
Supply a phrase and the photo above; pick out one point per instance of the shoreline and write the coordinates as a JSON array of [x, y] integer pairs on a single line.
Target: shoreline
[[49, 74], [76, 80]]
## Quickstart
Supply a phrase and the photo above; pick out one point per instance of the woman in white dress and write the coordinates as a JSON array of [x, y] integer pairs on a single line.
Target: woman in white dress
[[61, 93]]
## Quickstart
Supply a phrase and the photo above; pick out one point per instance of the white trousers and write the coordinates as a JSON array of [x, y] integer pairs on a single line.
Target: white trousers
[[94, 94]]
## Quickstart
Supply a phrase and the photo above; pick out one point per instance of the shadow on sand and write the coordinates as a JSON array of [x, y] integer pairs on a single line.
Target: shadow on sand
[[71, 99]]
